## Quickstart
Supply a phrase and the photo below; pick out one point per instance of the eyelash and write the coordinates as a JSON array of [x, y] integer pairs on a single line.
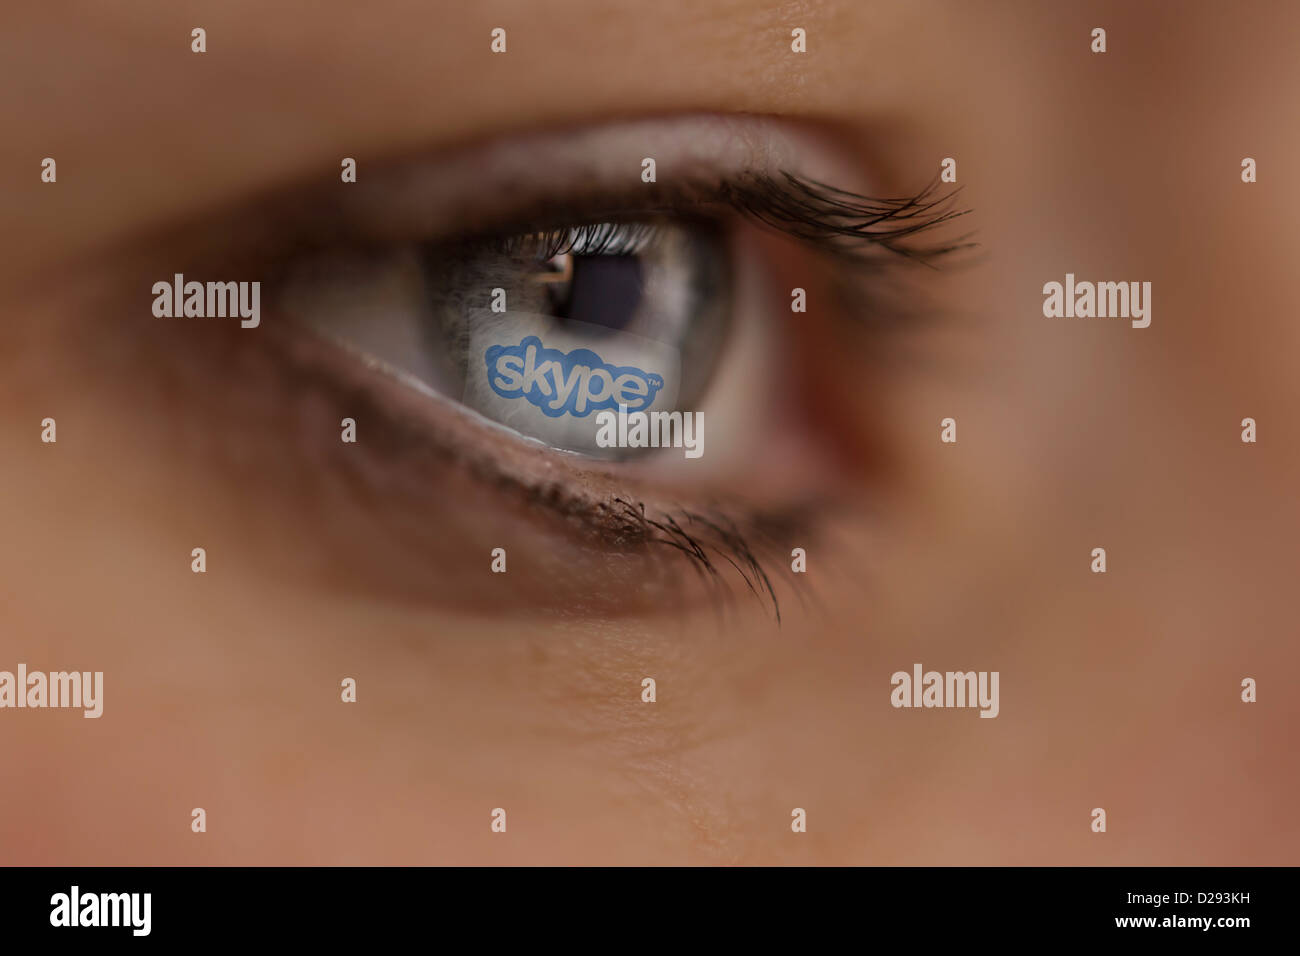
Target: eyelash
[[843, 224], [728, 541], [591, 239]]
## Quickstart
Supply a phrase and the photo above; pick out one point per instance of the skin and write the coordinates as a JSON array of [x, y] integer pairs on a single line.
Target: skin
[[1118, 691]]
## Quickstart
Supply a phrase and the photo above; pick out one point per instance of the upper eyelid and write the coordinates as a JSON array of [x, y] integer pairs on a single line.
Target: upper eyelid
[[775, 173], [535, 177], [484, 181], [539, 181]]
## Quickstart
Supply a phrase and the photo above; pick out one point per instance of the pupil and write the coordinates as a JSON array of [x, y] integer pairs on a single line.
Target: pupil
[[603, 290]]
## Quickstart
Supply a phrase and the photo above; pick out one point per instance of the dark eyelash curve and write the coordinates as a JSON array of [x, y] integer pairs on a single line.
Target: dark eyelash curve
[[844, 224], [725, 540], [589, 239]]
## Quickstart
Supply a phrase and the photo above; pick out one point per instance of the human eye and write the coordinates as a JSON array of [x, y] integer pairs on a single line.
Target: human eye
[[555, 334], [530, 345]]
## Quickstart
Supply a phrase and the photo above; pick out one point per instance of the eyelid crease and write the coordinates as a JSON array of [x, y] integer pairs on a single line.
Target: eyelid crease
[[771, 172]]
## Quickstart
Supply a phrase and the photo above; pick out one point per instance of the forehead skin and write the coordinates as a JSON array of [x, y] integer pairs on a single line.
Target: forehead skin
[[282, 92], [1072, 436]]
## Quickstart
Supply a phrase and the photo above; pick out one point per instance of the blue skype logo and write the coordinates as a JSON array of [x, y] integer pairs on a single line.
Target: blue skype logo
[[574, 383]]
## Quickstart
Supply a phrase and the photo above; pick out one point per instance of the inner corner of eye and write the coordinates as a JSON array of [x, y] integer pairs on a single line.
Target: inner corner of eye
[[596, 337]]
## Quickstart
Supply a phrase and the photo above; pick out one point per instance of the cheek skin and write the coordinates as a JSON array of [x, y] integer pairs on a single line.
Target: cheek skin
[[235, 681], [235, 677], [235, 674]]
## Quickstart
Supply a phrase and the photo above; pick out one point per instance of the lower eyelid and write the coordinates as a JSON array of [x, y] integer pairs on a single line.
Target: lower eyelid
[[411, 512]]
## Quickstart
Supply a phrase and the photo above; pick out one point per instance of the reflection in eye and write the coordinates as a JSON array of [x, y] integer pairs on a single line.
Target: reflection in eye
[[535, 331]]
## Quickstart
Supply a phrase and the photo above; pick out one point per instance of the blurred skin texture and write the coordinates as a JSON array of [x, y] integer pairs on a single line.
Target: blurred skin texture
[[522, 691]]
